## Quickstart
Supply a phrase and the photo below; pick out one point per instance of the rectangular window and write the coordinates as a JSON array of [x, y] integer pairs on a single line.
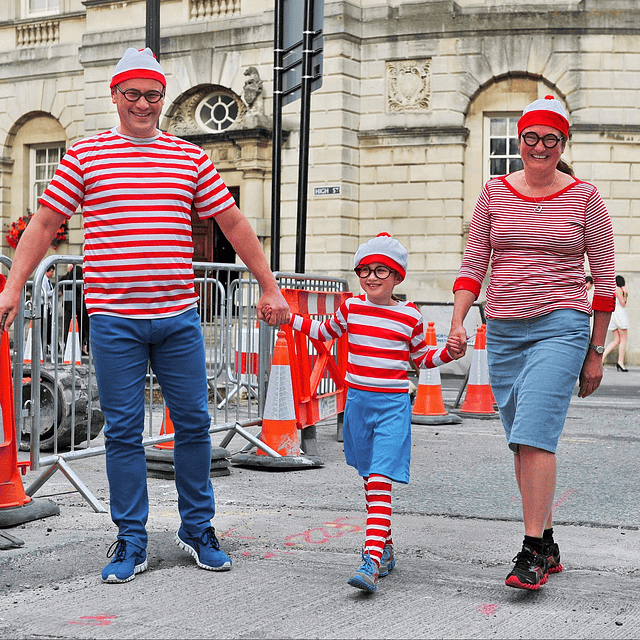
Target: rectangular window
[[501, 145], [44, 162], [41, 7]]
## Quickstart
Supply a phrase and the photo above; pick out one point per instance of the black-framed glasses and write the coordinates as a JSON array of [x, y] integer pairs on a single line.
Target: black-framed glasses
[[531, 139], [380, 272], [133, 95]]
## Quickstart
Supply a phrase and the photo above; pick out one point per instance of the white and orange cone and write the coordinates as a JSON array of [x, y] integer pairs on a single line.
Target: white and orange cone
[[479, 399], [28, 346], [165, 429], [428, 407], [279, 428], [72, 338]]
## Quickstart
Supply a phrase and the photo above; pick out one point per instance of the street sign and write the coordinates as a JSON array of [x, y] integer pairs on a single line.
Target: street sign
[[326, 191], [293, 28]]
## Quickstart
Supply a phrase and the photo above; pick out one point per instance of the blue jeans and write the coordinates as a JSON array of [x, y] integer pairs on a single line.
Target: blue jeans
[[122, 348]]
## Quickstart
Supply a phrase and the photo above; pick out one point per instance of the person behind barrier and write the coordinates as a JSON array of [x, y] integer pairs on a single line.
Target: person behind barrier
[[619, 324], [383, 334], [45, 307], [137, 186], [535, 226]]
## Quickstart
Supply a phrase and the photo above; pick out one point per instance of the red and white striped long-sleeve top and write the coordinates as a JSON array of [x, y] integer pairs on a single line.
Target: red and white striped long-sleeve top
[[136, 197], [537, 259], [381, 339]]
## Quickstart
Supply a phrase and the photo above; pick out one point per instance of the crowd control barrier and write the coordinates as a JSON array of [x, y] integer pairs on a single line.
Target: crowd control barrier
[[57, 410], [306, 386]]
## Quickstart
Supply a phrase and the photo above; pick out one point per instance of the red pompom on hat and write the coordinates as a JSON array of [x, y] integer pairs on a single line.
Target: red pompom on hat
[[385, 250], [547, 111], [138, 63]]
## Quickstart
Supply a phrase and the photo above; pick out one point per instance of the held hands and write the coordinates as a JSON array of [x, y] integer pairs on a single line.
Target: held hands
[[273, 309], [457, 343]]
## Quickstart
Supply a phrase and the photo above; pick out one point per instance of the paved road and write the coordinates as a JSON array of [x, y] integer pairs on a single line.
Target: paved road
[[295, 537]]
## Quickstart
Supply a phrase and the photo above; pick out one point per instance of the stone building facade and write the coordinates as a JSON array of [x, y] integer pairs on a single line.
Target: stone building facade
[[417, 109]]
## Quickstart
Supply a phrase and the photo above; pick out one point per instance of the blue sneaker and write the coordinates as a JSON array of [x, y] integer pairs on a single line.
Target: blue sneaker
[[205, 548], [387, 562], [128, 559], [366, 577]]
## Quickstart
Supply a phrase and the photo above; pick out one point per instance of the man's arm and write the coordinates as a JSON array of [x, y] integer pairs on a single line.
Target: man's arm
[[32, 247], [272, 307]]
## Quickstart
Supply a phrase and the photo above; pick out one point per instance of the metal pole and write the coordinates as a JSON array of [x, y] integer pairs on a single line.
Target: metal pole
[[152, 33], [276, 154], [305, 113]]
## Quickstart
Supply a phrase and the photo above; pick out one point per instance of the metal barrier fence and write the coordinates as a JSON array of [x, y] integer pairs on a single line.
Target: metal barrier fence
[[57, 406]]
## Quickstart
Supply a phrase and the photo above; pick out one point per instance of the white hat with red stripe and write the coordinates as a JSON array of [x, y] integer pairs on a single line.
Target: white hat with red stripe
[[138, 63], [385, 250], [546, 111]]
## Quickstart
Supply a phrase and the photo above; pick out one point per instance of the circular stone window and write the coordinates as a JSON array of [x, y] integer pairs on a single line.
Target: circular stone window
[[217, 111]]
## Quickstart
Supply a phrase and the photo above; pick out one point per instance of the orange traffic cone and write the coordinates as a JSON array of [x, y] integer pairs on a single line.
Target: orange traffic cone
[[28, 346], [479, 400], [166, 428], [73, 344], [428, 407], [16, 506], [279, 428]]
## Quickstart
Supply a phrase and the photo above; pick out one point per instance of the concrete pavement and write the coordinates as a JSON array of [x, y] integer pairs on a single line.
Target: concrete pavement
[[295, 538]]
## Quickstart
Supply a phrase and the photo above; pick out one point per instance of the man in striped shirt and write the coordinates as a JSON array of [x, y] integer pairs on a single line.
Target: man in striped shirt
[[136, 187]]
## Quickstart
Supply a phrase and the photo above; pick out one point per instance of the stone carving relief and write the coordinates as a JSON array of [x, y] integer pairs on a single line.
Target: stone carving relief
[[252, 90], [408, 85]]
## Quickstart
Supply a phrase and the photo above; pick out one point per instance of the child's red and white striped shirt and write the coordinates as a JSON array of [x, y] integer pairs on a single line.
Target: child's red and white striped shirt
[[381, 340]]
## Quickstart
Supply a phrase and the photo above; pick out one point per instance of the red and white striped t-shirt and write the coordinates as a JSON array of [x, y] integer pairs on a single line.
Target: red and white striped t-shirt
[[380, 341], [537, 259], [136, 197]]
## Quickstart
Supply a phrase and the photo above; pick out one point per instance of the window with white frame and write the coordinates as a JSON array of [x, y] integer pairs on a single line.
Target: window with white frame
[[43, 164], [218, 111], [40, 7], [501, 145]]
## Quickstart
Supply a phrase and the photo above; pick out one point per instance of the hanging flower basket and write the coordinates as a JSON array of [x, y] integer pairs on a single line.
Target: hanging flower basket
[[16, 229]]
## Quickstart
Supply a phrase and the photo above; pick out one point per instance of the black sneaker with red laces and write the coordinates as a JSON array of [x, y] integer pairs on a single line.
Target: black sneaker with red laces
[[531, 570]]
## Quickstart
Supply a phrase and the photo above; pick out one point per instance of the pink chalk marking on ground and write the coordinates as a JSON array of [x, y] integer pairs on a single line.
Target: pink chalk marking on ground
[[488, 609], [562, 498], [93, 621]]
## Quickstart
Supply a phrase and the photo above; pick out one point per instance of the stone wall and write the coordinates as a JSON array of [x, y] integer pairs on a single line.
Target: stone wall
[[397, 124]]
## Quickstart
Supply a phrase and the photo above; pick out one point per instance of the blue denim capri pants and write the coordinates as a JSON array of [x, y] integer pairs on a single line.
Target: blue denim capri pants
[[534, 364], [377, 433]]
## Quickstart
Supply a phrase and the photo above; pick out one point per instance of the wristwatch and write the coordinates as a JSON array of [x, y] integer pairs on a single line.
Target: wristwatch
[[597, 348]]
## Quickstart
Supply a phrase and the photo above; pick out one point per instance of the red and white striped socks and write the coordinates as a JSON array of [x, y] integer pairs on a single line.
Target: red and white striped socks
[[377, 491]]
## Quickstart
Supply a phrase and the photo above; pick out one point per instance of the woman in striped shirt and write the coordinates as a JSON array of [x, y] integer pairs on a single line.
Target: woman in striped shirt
[[534, 227]]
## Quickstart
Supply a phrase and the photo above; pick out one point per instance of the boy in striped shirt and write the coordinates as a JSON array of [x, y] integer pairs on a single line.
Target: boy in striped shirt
[[383, 334]]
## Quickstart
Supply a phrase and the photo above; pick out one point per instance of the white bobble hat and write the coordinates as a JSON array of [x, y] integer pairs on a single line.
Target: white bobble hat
[[548, 111], [385, 250], [138, 63]]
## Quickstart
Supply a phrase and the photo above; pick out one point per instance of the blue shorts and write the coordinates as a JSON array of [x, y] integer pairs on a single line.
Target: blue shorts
[[377, 433], [534, 364]]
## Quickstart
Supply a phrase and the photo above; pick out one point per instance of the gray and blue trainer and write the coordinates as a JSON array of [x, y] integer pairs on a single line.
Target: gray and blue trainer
[[128, 559], [388, 561], [205, 548], [366, 577]]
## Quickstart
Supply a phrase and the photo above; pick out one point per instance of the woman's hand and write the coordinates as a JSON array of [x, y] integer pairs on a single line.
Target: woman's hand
[[591, 374]]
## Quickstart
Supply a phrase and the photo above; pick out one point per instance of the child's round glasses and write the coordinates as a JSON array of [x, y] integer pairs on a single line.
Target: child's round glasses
[[549, 141], [380, 272], [133, 95]]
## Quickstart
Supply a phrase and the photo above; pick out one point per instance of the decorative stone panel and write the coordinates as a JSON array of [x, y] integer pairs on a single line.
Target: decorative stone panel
[[408, 86]]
